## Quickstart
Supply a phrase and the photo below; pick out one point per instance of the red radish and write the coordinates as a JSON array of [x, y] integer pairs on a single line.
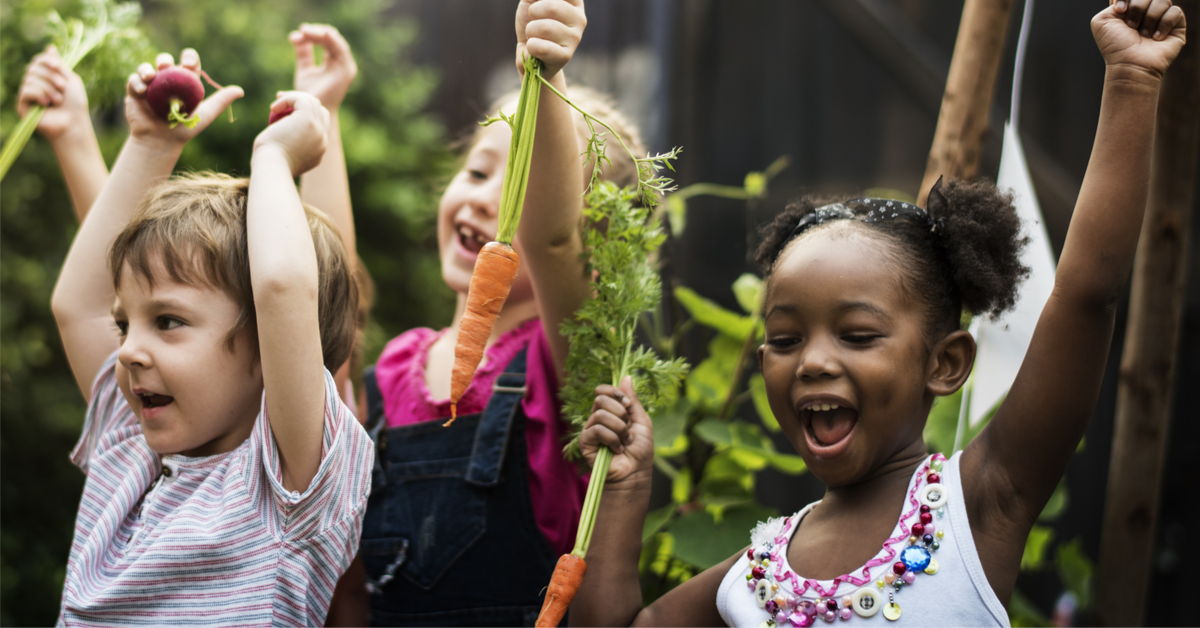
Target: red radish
[[276, 116], [173, 94]]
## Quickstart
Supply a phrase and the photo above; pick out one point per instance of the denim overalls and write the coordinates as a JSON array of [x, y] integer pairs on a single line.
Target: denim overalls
[[449, 537]]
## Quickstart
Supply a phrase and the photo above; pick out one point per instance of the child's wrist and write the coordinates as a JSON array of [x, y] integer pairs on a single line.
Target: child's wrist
[[637, 482], [157, 147], [270, 153], [1133, 76], [73, 137]]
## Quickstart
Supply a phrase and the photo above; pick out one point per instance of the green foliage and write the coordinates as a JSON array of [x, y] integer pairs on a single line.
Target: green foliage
[[396, 158], [602, 332]]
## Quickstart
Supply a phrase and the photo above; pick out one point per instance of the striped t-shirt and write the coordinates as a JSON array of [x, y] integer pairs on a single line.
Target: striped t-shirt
[[215, 540]]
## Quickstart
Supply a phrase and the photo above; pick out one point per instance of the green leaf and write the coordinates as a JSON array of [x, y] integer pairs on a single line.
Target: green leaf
[[942, 423], [676, 214], [713, 431], [1034, 557], [702, 542], [1022, 612], [668, 429], [708, 383], [788, 463], [1057, 503], [1075, 571], [681, 486], [749, 289], [655, 520], [758, 394], [755, 184], [712, 315]]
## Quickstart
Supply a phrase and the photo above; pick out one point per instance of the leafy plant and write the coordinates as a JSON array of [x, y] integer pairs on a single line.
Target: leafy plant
[[110, 31]]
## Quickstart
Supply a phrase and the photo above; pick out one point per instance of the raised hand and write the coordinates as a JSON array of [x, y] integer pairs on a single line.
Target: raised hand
[[329, 81], [1141, 34], [549, 30], [619, 422], [145, 124], [301, 136], [50, 84]]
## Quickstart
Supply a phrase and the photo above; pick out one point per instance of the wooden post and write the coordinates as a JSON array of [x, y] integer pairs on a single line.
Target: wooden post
[[1151, 347], [963, 120]]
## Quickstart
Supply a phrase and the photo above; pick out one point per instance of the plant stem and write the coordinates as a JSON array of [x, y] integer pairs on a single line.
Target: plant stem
[[747, 347], [520, 153], [19, 137], [591, 503], [589, 116]]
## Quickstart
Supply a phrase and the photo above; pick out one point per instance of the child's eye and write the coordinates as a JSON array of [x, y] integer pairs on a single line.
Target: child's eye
[[122, 327], [782, 342], [860, 339], [477, 175], [167, 323]]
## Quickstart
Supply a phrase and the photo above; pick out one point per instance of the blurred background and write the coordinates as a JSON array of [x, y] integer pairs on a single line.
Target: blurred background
[[847, 90]]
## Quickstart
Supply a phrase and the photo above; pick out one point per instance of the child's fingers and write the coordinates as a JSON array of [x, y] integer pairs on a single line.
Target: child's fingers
[[146, 73], [557, 10], [637, 414], [303, 49], [1172, 22], [1118, 6], [211, 108], [601, 434], [135, 86], [50, 75], [164, 60], [37, 89], [190, 59], [614, 392], [1154, 15], [610, 405]]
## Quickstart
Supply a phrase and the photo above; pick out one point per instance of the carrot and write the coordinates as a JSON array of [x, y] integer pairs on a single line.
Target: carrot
[[567, 578], [496, 266], [495, 270]]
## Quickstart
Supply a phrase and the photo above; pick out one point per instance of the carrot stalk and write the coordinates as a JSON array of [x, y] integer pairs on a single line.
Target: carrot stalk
[[496, 266]]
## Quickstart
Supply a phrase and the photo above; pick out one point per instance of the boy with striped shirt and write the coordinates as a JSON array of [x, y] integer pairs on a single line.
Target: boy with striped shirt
[[226, 480]]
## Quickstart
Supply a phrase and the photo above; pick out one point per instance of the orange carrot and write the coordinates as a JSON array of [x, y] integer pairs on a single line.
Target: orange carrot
[[495, 269], [567, 578]]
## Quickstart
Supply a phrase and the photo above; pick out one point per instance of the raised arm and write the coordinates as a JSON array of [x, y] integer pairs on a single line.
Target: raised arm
[[1011, 469], [327, 186], [67, 125], [83, 297], [284, 278], [550, 237]]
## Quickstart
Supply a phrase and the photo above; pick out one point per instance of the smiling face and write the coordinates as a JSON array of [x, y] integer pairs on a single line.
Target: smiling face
[[846, 359], [191, 392]]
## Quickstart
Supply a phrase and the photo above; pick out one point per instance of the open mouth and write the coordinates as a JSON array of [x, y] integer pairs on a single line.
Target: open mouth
[[828, 423], [470, 238], [150, 400]]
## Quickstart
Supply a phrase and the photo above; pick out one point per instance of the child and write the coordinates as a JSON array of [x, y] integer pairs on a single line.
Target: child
[[67, 125], [229, 298], [465, 522], [862, 333]]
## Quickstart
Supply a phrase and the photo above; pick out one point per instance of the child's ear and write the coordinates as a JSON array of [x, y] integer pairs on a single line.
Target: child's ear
[[950, 363]]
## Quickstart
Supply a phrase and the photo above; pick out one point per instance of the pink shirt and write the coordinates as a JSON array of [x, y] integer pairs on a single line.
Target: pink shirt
[[555, 486]]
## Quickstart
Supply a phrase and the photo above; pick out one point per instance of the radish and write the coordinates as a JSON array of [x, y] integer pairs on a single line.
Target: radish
[[174, 93], [277, 116]]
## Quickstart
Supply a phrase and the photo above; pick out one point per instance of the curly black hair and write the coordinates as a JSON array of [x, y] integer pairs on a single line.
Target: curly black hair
[[963, 253]]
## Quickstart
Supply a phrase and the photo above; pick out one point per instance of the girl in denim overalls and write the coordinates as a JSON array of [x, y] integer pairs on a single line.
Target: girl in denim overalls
[[465, 522]]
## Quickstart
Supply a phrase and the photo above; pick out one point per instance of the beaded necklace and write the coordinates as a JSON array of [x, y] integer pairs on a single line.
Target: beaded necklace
[[770, 580]]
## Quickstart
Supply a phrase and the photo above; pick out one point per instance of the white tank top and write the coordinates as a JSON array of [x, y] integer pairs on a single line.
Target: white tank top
[[942, 583]]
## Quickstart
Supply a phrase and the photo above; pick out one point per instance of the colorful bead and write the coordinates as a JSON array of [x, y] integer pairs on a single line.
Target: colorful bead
[[750, 553], [941, 512], [765, 555], [830, 616], [937, 465], [800, 619], [891, 611], [899, 568], [807, 607], [928, 538], [758, 573], [926, 517], [924, 509], [880, 583], [846, 614], [940, 534], [781, 618], [847, 601], [918, 529], [752, 585], [934, 478], [771, 607], [749, 576], [930, 528], [831, 604], [889, 578], [936, 545], [912, 540], [933, 566], [909, 577], [915, 558]]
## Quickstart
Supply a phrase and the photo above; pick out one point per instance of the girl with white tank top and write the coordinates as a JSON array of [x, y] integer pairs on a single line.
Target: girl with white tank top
[[862, 308]]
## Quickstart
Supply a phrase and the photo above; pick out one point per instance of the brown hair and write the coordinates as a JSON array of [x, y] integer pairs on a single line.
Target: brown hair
[[622, 171], [195, 226]]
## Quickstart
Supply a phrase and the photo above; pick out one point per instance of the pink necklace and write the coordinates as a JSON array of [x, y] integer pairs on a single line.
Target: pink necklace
[[770, 580]]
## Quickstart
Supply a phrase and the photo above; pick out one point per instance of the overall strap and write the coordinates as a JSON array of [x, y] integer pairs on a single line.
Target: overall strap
[[491, 438], [375, 420]]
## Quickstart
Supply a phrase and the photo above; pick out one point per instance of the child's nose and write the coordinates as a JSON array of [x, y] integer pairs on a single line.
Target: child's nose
[[133, 352], [818, 359]]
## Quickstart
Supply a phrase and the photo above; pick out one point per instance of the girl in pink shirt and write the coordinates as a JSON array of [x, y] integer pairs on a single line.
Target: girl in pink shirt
[[464, 523]]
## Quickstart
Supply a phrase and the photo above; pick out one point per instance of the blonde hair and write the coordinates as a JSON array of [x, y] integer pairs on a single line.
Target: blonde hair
[[195, 226], [622, 171]]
